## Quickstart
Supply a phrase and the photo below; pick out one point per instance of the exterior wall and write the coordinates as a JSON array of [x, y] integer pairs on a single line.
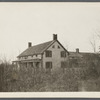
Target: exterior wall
[[56, 56]]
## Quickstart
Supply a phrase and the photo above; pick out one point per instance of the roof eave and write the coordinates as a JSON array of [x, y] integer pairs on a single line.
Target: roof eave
[[63, 47]]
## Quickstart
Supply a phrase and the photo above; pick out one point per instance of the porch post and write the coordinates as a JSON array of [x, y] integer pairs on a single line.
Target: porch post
[[18, 65]]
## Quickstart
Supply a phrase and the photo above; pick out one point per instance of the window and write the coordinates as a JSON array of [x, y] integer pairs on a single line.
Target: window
[[48, 65], [19, 57], [32, 56], [63, 54], [48, 53], [58, 47], [63, 64], [53, 46], [25, 57]]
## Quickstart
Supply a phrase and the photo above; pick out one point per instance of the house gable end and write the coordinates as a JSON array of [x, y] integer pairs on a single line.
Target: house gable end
[[52, 45]]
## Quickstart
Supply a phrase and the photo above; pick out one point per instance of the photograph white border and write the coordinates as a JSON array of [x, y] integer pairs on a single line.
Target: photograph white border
[[50, 94]]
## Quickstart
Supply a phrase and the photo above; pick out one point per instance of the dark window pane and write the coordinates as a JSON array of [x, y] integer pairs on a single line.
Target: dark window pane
[[58, 47], [48, 65], [48, 53], [63, 54], [63, 64], [53, 46]]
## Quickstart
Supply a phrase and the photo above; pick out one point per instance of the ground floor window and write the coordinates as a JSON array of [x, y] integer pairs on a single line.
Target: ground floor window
[[63, 64], [48, 66]]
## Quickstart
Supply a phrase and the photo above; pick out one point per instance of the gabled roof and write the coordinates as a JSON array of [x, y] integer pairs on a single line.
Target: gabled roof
[[74, 54], [86, 55], [82, 53], [37, 49]]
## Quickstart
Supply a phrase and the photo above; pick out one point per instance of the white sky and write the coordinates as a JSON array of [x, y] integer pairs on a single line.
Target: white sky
[[20, 23]]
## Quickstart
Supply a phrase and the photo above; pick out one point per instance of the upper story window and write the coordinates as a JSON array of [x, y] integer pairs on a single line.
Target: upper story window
[[25, 57], [48, 53], [58, 47], [53, 46], [63, 54], [32, 56], [19, 57]]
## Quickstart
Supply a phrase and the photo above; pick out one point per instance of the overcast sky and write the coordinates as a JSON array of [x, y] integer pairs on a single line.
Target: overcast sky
[[20, 23]]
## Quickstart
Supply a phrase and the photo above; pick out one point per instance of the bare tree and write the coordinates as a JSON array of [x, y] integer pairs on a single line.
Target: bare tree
[[97, 34], [93, 42]]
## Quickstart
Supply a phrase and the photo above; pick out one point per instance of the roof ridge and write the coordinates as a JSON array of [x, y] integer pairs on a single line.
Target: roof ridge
[[41, 43]]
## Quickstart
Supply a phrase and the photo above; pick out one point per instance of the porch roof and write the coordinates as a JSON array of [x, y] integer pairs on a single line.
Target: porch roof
[[28, 60]]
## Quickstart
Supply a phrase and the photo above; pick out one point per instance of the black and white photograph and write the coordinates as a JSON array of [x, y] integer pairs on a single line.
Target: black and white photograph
[[49, 47]]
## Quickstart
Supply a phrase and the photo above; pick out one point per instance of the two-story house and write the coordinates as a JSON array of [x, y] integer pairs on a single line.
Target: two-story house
[[48, 55]]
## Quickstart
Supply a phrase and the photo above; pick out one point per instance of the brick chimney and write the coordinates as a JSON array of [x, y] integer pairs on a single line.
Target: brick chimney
[[54, 36], [77, 50], [29, 44]]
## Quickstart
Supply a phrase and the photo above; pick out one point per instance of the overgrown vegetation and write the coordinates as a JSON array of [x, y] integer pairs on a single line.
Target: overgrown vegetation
[[79, 75]]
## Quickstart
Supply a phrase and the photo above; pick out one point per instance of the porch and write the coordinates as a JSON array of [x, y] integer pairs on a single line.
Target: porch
[[35, 63]]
